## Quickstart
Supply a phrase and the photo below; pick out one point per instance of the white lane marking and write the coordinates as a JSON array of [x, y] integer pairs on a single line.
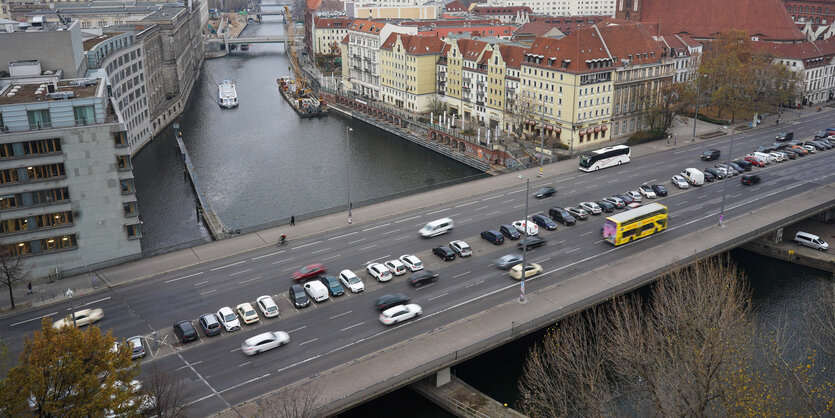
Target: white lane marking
[[515, 191], [465, 220], [244, 364], [459, 275], [491, 197], [407, 219], [356, 241], [300, 363], [228, 265], [367, 248], [320, 251], [571, 251], [243, 383], [492, 213], [203, 282], [96, 301], [283, 261], [185, 367], [582, 235], [391, 232], [266, 255], [735, 195], [473, 284], [483, 207], [544, 260], [249, 280], [343, 235], [343, 313], [308, 341], [352, 326], [436, 297], [375, 227], [378, 258], [518, 206], [681, 203], [208, 291], [292, 268], [403, 237], [437, 211], [240, 272], [184, 277], [466, 204], [579, 182], [307, 245], [507, 201], [33, 319], [298, 329], [331, 257], [561, 242], [682, 151]]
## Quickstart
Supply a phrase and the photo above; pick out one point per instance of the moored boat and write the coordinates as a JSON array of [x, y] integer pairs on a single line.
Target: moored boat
[[227, 94]]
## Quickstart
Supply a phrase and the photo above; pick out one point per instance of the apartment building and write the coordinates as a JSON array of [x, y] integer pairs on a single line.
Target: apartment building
[[67, 196], [686, 54], [561, 7], [327, 33], [363, 59], [814, 64], [408, 71], [465, 79]]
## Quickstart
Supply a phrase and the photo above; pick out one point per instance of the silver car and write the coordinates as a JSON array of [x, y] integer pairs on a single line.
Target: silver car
[[508, 261], [264, 342], [591, 207], [680, 182]]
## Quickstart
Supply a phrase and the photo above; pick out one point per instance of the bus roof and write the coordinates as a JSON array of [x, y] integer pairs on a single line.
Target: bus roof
[[634, 213], [607, 149]]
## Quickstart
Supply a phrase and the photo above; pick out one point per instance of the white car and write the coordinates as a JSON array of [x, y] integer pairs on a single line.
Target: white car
[[591, 207], [316, 290], [461, 248], [533, 229], [680, 182], [379, 272], [647, 191], [267, 306], [635, 195], [247, 313], [779, 156], [531, 269], [411, 262], [264, 342], [809, 148], [228, 319], [400, 313], [80, 318], [351, 281], [395, 267]]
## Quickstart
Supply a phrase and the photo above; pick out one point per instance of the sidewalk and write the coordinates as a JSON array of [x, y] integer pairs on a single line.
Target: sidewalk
[[46, 292]]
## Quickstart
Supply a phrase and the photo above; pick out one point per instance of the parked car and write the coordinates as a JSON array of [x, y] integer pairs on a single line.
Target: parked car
[[379, 272], [396, 267], [750, 179], [521, 225], [298, 297], [633, 205], [137, 348], [561, 215], [351, 281], [711, 154], [80, 318], [635, 195], [715, 172], [708, 177], [210, 325], [263, 342], [247, 313], [578, 213], [816, 145], [461, 248], [530, 242], [591, 207], [626, 198], [659, 190], [647, 192], [411, 262], [810, 148], [745, 165], [778, 156], [423, 278], [510, 232], [739, 168], [400, 313], [792, 154], [531, 270], [507, 261], [493, 236], [184, 331], [317, 291], [334, 287], [821, 134], [618, 202], [680, 182], [309, 271], [765, 149], [444, 252], [267, 306], [799, 150], [545, 192], [228, 319], [393, 299], [606, 207], [754, 160], [544, 222]]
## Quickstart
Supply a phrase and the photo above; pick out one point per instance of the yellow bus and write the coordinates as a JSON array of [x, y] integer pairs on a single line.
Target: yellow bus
[[635, 223]]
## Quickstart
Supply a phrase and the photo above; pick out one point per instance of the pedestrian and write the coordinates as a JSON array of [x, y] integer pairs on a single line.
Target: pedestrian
[[292, 219], [29, 287]]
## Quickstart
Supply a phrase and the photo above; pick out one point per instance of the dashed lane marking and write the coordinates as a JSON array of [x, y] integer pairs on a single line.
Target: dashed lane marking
[[240, 272], [266, 255], [228, 265], [352, 326], [375, 227], [33, 319], [307, 245], [184, 277]]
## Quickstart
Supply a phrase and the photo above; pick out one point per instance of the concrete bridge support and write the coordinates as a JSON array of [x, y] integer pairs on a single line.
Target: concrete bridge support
[[459, 398]]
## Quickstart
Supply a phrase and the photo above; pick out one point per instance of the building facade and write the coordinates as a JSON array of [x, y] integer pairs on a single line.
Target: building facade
[[364, 40], [327, 33], [57, 45], [408, 71], [562, 7]]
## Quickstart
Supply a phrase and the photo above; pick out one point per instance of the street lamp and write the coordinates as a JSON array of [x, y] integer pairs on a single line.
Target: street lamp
[[348, 131], [522, 298], [696, 115], [727, 179], [541, 152]]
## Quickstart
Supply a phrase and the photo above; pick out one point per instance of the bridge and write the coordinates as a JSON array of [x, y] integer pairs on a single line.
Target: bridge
[[340, 347]]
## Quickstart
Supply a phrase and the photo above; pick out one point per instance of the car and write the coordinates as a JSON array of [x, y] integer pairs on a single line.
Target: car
[[267, 306], [779, 156], [530, 243], [210, 324], [544, 222], [137, 348], [561, 215], [423, 278], [824, 142], [779, 146], [708, 177], [264, 341], [309, 271], [351, 281], [507, 261], [332, 284], [461, 248], [626, 198], [726, 170], [298, 297], [379, 272], [400, 313], [635, 195], [396, 267], [744, 165], [633, 205], [821, 134], [767, 158], [184, 331], [618, 202], [317, 291], [531, 270], [521, 225], [765, 149], [680, 182], [738, 168], [711, 154], [411, 262], [228, 319], [605, 206], [545, 192], [715, 172], [792, 154], [659, 190], [750, 179], [785, 136], [444, 252], [247, 313], [80, 318], [510, 231], [647, 192], [800, 150], [809, 148], [820, 145], [393, 299], [591, 207], [493, 236], [578, 213], [754, 160]]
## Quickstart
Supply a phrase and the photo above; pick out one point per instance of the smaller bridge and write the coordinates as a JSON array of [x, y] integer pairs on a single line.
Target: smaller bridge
[[279, 39]]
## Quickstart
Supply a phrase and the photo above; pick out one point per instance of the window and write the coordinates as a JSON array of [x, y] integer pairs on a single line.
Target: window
[[39, 119], [53, 220], [120, 139], [43, 172], [127, 186], [42, 146], [133, 231], [84, 114]]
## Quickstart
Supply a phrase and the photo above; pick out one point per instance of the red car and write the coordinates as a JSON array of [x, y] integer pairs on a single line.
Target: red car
[[309, 272], [754, 160]]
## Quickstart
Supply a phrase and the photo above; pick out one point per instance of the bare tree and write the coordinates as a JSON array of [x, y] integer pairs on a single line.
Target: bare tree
[[168, 394], [12, 270], [520, 111], [662, 102], [297, 402], [819, 318]]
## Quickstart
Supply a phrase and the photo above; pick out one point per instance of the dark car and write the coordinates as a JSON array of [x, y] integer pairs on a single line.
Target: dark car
[[423, 277], [561, 215], [493, 236], [818, 146], [298, 297], [606, 207], [509, 231], [779, 146], [444, 252], [711, 154], [821, 134], [391, 300], [766, 148], [709, 177], [531, 242], [789, 153], [626, 199], [785, 136], [744, 165], [185, 332], [210, 324], [715, 173], [750, 179], [545, 192], [334, 286], [309, 272], [738, 167], [544, 222], [659, 190], [824, 142]]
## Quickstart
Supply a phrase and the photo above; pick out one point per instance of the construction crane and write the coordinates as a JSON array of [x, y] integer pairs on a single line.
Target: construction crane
[[302, 89]]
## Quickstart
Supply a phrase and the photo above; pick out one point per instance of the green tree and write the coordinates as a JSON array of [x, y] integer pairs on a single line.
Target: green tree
[[71, 372]]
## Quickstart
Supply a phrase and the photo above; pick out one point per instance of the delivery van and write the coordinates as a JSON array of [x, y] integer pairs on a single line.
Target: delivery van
[[435, 228], [693, 176], [811, 241]]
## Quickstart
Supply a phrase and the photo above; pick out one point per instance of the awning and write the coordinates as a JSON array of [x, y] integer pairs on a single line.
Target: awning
[[549, 127], [557, 130], [596, 129], [582, 132], [604, 128]]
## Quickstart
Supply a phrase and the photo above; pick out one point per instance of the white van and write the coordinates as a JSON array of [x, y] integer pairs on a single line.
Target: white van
[[436, 228], [693, 176], [811, 241], [767, 158]]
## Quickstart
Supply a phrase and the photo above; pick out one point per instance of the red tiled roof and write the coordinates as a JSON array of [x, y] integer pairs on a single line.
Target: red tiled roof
[[534, 28], [470, 49], [575, 49], [804, 51], [333, 23], [630, 41], [313, 4], [499, 10], [455, 6], [415, 45], [512, 55], [367, 26], [346, 39]]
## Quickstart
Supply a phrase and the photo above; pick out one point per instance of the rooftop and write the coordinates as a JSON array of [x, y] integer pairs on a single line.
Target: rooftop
[[92, 42], [28, 93]]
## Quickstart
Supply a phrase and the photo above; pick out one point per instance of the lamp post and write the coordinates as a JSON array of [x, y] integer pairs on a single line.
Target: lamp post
[[522, 298], [696, 114], [348, 131], [541, 152], [727, 179]]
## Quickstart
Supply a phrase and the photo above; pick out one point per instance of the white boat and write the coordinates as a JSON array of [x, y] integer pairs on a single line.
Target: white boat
[[227, 94]]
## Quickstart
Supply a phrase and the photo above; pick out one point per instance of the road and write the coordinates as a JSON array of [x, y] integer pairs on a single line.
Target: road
[[345, 328]]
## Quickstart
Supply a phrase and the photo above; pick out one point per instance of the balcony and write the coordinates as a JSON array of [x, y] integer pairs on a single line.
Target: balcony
[[479, 102]]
